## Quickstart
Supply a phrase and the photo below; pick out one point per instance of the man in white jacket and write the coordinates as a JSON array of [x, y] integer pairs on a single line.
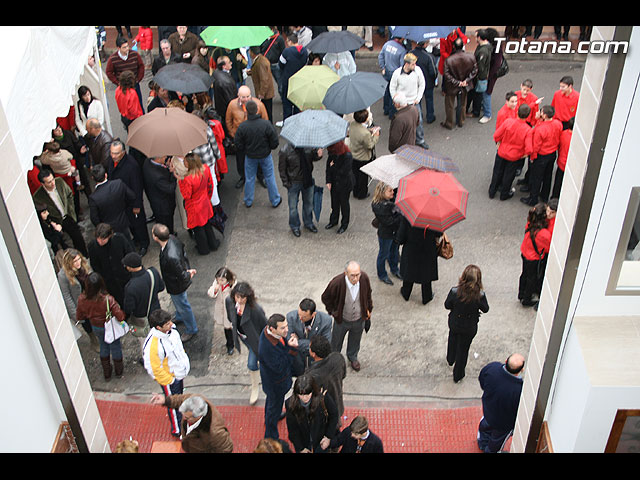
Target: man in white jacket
[[409, 80], [166, 361]]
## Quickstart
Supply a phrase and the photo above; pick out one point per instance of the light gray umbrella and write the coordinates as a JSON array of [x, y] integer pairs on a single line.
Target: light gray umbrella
[[314, 129], [389, 169], [355, 92]]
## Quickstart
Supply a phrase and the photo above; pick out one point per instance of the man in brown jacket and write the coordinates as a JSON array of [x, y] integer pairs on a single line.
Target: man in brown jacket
[[262, 79], [203, 428], [404, 123], [236, 114], [347, 299], [460, 70]]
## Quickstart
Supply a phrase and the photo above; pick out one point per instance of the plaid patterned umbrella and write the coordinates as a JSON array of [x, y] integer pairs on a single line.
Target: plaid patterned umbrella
[[426, 158], [428, 198], [314, 129]]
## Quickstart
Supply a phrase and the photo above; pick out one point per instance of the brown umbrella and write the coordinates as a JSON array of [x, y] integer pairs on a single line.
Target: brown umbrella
[[167, 131]]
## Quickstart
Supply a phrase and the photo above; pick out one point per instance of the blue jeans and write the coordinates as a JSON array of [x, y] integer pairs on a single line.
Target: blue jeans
[[428, 97], [419, 128], [388, 251], [293, 193], [250, 172], [184, 313], [486, 104], [252, 360], [113, 350]]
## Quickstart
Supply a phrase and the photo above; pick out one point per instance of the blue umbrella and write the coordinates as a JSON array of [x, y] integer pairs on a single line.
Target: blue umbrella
[[420, 33], [314, 129]]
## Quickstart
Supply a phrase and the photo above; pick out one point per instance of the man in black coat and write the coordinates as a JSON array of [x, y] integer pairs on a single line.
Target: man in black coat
[[177, 274], [111, 201], [329, 369], [357, 438], [122, 166], [429, 66], [98, 141], [224, 87], [160, 186], [105, 254]]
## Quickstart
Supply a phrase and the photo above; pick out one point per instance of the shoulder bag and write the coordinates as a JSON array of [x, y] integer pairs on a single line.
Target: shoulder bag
[[445, 248], [113, 328], [140, 325]]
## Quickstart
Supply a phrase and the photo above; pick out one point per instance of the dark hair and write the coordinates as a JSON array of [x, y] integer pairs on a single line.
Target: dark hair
[[537, 219], [567, 80], [252, 107], [121, 40], [320, 346], [470, 284], [524, 111], [275, 319], [158, 318], [307, 305], [361, 116], [127, 80], [359, 425], [244, 290], [103, 230], [306, 384], [509, 95], [161, 232], [224, 272], [44, 173], [482, 34], [528, 83], [98, 173], [548, 110], [570, 123], [94, 286]]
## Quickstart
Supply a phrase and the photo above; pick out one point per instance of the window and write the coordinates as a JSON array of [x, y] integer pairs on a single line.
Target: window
[[625, 274]]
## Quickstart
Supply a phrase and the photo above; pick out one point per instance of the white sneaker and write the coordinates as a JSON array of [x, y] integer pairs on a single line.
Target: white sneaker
[[484, 119], [279, 124]]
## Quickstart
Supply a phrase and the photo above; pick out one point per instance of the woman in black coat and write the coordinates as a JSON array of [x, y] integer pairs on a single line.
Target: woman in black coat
[[312, 417], [466, 302], [388, 219], [419, 259], [340, 181], [248, 320]]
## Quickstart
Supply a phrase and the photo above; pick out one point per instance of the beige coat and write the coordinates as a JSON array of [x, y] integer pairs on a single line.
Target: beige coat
[[219, 304]]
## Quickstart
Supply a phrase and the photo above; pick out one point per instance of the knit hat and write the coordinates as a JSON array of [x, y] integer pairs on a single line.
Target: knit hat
[[132, 260]]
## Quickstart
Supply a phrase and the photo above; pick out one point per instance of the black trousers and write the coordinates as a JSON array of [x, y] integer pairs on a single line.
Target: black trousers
[[504, 172], [531, 279], [206, 240], [458, 345], [70, 227], [541, 176], [557, 183], [340, 204], [427, 292], [361, 187], [138, 228]]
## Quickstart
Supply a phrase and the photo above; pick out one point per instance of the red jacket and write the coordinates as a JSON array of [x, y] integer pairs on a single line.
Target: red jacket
[[530, 100], [545, 138], [543, 242], [563, 148], [128, 103], [145, 38], [446, 46], [504, 113], [514, 136], [565, 105], [218, 132], [196, 191]]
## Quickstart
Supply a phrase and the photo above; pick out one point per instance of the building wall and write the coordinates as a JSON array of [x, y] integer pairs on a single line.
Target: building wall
[[590, 100]]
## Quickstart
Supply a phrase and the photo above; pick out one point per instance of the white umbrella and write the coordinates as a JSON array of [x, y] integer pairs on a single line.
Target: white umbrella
[[389, 169]]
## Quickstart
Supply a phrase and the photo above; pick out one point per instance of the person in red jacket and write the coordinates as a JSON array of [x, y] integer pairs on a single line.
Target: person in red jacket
[[534, 250], [144, 40], [127, 99], [563, 152], [565, 101], [544, 148], [526, 96], [508, 110], [514, 142]]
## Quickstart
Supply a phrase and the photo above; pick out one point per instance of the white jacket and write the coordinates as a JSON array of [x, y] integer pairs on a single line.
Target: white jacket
[[164, 356], [410, 84]]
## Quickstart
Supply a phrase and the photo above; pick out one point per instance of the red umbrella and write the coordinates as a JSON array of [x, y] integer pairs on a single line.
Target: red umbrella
[[433, 199]]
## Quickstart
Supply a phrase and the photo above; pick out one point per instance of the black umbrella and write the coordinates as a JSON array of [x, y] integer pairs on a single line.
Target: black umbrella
[[355, 92], [335, 42], [183, 77]]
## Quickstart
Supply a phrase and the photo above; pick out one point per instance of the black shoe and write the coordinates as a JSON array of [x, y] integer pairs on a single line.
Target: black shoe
[[492, 194], [229, 350], [507, 196], [142, 252], [341, 230], [296, 232], [312, 228], [522, 181], [397, 275], [386, 280], [404, 295], [240, 183], [330, 225], [528, 201]]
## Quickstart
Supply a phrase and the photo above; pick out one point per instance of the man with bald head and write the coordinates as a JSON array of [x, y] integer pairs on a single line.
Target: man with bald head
[[501, 384], [347, 299], [99, 142], [237, 114]]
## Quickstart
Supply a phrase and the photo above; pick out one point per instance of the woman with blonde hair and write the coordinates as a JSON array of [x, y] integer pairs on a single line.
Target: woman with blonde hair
[[387, 217], [74, 271], [466, 301], [197, 188]]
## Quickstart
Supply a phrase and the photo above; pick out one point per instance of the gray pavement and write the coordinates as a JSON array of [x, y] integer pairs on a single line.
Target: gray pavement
[[403, 355]]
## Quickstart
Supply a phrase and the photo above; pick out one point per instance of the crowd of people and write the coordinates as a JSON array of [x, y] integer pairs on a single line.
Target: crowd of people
[[300, 351]]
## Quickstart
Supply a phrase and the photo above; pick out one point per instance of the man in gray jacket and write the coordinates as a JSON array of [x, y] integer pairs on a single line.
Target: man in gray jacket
[[305, 323]]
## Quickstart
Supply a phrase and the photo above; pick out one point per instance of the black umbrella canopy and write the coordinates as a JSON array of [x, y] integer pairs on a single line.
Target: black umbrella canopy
[[335, 42], [183, 77], [355, 92]]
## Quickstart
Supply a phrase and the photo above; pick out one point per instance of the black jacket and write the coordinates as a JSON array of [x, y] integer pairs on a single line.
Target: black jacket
[[307, 432], [160, 186], [136, 293], [110, 202], [388, 216], [251, 324], [419, 259], [224, 90], [174, 265], [463, 317], [107, 259], [127, 170], [256, 137], [340, 174], [428, 64], [373, 444]]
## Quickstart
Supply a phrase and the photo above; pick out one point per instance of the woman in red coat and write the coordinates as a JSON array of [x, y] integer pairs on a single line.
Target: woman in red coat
[[196, 189], [534, 250], [127, 99]]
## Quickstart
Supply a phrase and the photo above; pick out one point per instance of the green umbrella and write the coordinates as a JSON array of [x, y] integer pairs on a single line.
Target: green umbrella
[[235, 36], [308, 87]]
